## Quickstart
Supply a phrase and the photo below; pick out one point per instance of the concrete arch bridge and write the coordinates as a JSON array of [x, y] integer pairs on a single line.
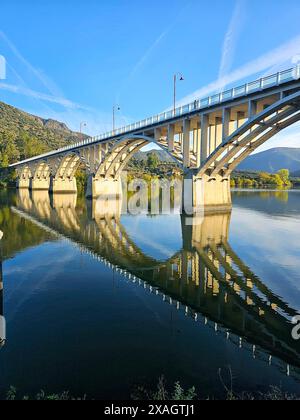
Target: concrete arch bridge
[[208, 138]]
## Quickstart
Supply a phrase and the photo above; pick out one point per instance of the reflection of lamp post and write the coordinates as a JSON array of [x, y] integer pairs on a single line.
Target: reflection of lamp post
[[115, 108], [181, 78], [82, 124]]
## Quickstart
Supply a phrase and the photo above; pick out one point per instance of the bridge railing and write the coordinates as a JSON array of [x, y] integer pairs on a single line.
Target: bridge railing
[[199, 104]]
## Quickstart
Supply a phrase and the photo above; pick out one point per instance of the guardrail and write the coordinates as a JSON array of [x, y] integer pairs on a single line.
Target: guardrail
[[199, 104]]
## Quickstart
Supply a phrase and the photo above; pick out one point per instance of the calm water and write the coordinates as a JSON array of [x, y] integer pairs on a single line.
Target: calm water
[[96, 303]]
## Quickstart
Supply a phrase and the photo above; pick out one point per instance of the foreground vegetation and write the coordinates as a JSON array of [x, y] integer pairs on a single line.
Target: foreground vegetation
[[163, 392], [176, 392]]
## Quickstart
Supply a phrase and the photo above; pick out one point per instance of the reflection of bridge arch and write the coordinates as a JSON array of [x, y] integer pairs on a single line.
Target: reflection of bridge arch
[[206, 276]]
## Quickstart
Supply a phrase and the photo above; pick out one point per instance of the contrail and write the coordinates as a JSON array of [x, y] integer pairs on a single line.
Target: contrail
[[42, 96], [49, 86], [230, 40], [153, 47]]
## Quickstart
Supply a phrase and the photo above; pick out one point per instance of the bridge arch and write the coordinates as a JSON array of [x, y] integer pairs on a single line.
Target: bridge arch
[[69, 165], [41, 170], [251, 135], [24, 177], [120, 154]]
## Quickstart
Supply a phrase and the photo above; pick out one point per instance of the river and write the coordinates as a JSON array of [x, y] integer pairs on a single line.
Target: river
[[97, 303]]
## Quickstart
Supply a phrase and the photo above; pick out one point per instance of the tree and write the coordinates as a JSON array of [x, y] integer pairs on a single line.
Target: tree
[[284, 175], [30, 146], [9, 152], [152, 161]]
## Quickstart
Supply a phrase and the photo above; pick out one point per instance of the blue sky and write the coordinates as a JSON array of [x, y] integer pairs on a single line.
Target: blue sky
[[72, 60]]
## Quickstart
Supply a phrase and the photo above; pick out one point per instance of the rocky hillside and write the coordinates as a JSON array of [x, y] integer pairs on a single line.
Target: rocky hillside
[[23, 135]]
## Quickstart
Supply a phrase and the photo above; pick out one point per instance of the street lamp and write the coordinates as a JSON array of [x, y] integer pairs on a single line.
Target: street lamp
[[176, 77], [115, 108], [82, 124]]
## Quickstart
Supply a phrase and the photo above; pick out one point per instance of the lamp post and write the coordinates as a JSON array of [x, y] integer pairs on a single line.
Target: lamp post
[[115, 108], [176, 77], [82, 124]]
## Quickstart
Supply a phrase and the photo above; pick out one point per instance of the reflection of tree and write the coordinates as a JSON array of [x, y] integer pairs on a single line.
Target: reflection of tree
[[19, 234], [280, 195]]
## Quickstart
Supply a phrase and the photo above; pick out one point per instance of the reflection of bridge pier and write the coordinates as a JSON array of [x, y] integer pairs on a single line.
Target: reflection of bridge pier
[[24, 199], [41, 203], [52, 207], [104, 206], [201, 230]]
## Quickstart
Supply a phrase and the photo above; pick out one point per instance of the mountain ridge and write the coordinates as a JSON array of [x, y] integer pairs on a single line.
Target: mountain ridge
[[24, 135], [273, 160]]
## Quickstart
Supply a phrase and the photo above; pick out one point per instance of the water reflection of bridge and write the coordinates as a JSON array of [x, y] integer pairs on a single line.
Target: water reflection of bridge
[[2, 319], [206, 277]]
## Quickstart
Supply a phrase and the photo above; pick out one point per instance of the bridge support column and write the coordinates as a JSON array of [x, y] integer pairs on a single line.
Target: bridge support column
[[206, 194], [104, 187], [40, 184], [23, 183], [63, 185]]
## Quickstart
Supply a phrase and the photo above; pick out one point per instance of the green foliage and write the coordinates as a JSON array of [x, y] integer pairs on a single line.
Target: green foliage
[[29, 146], [23, 135], [262, 179], [181, 395], [163, 394], [152, 161], [284, 175], [81, 178], [12, 395], [25, 234]]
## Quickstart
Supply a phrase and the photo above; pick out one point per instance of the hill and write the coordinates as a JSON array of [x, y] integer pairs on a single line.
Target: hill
[[23, 135], [273, 160], [161, 155]]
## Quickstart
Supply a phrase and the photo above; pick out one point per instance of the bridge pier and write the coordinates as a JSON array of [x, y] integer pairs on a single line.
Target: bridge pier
[[205, 194], [23, 183], [39, 184], [63, 185], [104, 187]]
